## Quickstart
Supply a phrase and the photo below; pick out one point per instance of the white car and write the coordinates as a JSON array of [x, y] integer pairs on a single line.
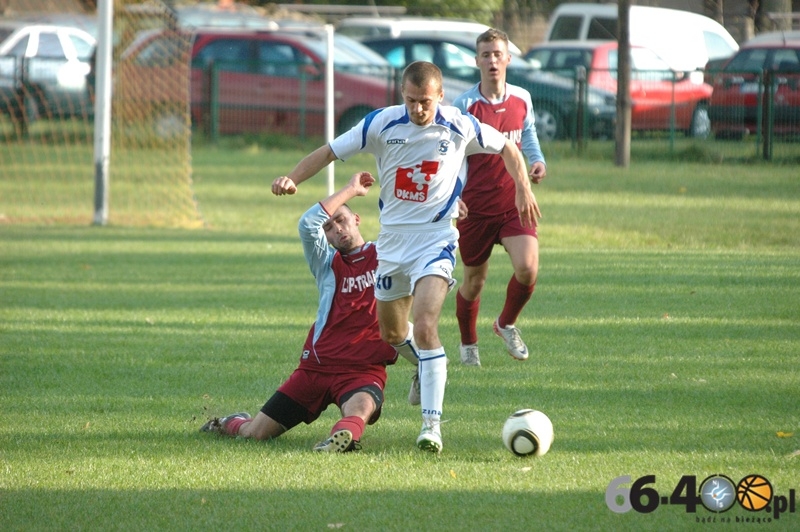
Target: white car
[[686, 40], [51, 62], [360, 28]]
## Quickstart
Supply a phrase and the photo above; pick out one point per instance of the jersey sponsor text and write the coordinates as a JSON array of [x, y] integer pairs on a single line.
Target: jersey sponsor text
[[411, 184], [358, 283]]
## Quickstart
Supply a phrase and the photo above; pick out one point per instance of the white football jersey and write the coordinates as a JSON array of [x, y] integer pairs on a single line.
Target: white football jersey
[[421, 169]]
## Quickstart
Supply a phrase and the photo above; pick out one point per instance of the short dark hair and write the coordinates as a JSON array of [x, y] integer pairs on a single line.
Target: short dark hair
[[491, 35], [420, 73]]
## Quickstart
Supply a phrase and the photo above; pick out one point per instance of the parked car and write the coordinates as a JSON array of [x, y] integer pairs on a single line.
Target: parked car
[[238, 15], [267, 81], [659, 95], [685, 40], [43, 70], [404, 26], [87, 23], [553, 96], [736, 107]]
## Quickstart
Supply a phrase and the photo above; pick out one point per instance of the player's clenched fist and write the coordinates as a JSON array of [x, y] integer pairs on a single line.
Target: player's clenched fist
[[283, 185], [361, 182], [537, 172]]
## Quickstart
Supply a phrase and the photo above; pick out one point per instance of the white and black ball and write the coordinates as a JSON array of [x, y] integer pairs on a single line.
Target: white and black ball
[[528, 433]]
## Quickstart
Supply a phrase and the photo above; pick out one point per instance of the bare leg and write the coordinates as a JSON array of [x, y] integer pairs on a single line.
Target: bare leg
[[262, 427]]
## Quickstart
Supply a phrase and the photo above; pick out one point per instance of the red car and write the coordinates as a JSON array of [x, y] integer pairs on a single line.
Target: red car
[[659, 95], [250, 81], [737, 106]]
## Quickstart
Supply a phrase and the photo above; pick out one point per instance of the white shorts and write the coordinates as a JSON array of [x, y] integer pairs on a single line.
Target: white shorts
[[405, 257]]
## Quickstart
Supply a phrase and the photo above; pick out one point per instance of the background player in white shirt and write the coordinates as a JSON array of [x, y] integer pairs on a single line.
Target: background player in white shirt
[[420, 149], [489, 195]]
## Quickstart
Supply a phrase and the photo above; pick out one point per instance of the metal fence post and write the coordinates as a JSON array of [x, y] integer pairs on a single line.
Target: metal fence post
[[213, 87], [672, 119], [580, 107], [767, 114], [759, 110], [303, 104]]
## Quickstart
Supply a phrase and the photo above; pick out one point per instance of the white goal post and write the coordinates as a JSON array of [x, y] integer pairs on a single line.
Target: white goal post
[[102, 109]]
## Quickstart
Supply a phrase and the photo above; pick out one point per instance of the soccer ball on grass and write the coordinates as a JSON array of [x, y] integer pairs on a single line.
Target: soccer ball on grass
[[528, 433]]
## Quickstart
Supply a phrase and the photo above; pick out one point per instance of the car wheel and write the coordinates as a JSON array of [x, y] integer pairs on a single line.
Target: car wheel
[[701, 123], [548, 123]]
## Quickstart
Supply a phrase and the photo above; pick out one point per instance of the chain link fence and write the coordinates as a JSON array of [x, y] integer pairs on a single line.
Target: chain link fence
[[265, 79]]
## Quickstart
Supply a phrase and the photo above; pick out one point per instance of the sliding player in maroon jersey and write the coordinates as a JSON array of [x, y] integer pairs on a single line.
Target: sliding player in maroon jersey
[[344, 359]]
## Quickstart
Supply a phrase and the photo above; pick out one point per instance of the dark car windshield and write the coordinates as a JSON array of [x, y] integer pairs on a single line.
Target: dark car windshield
[[343, 56], [752, 60], [759, 59], [349, 55], [4, 33]]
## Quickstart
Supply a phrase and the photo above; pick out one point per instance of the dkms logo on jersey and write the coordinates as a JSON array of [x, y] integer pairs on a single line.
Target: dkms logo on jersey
[[411, 184]]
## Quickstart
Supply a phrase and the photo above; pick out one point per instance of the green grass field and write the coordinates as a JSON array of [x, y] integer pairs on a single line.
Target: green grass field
[[665, 332]]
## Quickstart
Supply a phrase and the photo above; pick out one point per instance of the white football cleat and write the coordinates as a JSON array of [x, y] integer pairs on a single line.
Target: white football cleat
[[469, 355], [430, 438], [514, 344]]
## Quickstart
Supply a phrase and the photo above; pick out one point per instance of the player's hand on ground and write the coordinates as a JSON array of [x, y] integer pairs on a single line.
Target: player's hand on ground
[[537, 172], [283, 185]]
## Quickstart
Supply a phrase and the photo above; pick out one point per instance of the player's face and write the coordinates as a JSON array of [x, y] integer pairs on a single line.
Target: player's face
[[342, 230], [493, 59], [421, 102]]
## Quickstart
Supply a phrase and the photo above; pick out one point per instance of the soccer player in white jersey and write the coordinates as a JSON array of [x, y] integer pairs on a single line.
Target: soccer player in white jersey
[[420, 148], [489, 195]]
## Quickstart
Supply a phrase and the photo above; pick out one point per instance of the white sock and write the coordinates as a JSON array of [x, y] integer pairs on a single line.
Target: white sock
[[408, 349], [432, 380]]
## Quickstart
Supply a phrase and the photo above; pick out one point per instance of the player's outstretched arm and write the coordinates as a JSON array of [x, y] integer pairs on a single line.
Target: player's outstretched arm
[[529, 213], [357, 186], [308, 167]]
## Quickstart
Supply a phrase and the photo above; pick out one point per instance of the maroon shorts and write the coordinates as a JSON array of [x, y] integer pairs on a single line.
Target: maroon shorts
[[478, 235], [314, 391]]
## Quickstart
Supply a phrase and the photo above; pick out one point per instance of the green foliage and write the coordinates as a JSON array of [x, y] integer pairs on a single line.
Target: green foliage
[[664, 332]]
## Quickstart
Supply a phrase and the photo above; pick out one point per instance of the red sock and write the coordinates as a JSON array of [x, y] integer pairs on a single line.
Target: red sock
[[517, 295], [467, 315], [233, 425], [352, 423]]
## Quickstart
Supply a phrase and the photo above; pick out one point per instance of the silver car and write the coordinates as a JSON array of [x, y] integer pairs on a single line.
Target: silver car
[[44, 69]]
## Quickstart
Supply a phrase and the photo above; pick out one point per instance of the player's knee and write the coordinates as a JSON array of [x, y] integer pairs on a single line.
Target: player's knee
[[361, 405], [474, 286], [426, 334], [526, 276], [392, 336]]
